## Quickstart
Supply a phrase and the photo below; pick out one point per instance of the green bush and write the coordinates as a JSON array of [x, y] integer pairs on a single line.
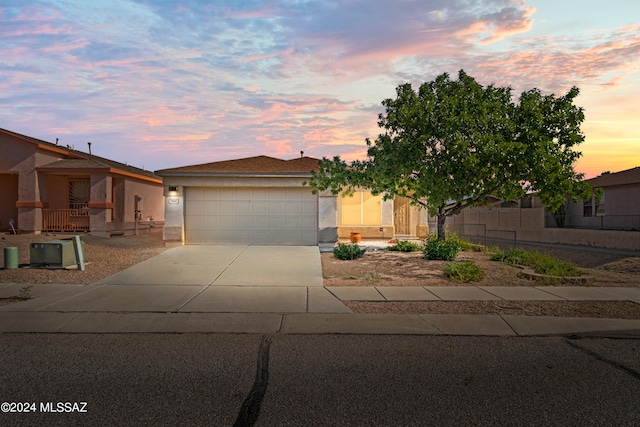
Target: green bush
[[464, 271], [541, 263], [348, 251], [465, 245], [445, 250], [405, 246]]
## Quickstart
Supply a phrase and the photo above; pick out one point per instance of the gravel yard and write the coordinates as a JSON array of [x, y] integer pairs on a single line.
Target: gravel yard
[[103, 257], [386, 268]]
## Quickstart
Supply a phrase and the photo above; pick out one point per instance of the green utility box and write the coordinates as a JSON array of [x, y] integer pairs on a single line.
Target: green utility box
[[53, 254], [10, 257]]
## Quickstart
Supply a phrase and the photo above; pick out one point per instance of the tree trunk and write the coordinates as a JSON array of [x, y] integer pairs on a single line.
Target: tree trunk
[[441, 219]]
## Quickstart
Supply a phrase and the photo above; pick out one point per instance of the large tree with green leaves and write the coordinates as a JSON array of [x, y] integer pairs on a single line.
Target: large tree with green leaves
[[453, 143]]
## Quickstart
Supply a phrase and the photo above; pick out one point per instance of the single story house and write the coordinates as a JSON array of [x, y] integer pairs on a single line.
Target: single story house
[[610, 221], [617, 208], [262, 200], [50, 187]]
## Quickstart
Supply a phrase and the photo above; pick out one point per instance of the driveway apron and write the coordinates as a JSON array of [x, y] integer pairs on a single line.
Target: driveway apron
[[213, 279]]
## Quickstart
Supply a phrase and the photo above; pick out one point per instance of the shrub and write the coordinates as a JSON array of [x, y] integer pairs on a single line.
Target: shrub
[[512, 256], [348, 251], [541, 263], [405, 246], [445, 250], [464, 271]]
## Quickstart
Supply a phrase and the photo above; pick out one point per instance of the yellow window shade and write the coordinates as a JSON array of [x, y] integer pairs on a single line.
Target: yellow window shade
[[361, 209], [351, 209], [371, 209]]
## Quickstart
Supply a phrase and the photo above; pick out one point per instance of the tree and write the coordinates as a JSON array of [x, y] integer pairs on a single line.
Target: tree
[[453, 143]]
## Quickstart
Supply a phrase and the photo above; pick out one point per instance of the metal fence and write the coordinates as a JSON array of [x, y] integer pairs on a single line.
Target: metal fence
[[479, 234], [65, 220]]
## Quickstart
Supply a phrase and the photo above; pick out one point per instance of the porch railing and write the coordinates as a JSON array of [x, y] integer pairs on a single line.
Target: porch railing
[[65, 220]]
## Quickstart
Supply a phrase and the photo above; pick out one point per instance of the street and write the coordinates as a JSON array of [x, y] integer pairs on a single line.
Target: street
[[309, 380]]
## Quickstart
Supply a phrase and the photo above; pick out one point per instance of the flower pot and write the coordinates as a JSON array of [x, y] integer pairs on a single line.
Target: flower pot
[[355, 237]]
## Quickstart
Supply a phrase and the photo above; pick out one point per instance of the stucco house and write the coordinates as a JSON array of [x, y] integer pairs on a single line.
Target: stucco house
[[610, 221], [617, 209], [51, 187], [262, 200]]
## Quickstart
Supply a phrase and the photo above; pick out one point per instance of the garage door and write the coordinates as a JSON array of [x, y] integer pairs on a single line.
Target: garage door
[[260, 216]]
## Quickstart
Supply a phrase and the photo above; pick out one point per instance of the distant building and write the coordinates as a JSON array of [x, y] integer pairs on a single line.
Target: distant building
[[611, 221]]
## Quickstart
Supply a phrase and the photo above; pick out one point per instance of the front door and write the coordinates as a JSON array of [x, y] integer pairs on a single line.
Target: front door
[[401, 215]]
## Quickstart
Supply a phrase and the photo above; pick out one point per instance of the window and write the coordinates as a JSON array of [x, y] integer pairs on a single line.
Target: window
[[362, 208], [79, 195], [600, 206], [587, 207]]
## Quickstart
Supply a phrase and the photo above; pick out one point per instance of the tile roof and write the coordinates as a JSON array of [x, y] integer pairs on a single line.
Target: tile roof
[[629, 176], [248, 166], [74, 164], [76, 156]]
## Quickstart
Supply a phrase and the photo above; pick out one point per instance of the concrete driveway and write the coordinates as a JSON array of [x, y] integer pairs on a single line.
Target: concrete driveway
[[226, 265], [202, 279]]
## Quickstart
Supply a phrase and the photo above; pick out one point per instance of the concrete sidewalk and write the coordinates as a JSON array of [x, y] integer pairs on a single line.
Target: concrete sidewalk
[[102, 308]]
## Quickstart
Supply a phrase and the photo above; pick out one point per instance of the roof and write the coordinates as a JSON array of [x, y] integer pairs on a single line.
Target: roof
[[629, 176], [77, 159], [249, 166]]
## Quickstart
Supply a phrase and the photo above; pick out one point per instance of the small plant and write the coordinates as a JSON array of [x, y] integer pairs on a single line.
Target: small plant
[[464, 271], [347, 251], [405, 246], [541, 263], [25, 293], [445, 250], [372, 278]]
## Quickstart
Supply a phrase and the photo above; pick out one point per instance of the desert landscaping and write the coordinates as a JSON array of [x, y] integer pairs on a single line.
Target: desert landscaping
[[107, 256]]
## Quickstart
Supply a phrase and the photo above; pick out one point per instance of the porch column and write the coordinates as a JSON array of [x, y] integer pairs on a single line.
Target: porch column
[[172, 232], [422, 230], [100, 205], [29, 204], [327, 220]]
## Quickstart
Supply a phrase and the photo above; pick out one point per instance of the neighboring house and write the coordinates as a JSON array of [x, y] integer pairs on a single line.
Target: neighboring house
[[51, 187], [262, 200], [612, 221], [617, 209]]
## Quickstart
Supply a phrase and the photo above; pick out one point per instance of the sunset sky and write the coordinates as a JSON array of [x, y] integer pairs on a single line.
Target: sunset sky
[[161, 84]]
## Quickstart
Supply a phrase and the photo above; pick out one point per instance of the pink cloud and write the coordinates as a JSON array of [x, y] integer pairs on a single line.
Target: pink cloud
[[557, 65]]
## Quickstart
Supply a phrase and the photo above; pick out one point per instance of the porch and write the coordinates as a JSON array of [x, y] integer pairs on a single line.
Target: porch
[[76, 219]]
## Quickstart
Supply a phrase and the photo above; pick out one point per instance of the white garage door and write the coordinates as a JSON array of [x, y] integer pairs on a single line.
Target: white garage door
[[260, 216]]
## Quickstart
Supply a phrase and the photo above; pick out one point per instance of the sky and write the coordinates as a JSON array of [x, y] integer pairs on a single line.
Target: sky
[[161, 84]]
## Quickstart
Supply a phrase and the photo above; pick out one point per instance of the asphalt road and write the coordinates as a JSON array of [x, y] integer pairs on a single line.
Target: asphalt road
[[309, 380]]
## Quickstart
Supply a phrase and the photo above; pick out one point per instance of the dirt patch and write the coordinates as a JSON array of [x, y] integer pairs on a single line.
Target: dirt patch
[[386, 268], [103, 257], [593, 309]]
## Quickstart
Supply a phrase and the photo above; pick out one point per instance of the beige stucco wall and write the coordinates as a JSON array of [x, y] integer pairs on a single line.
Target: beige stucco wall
[[622, 200], [8, 197], [527, 225]]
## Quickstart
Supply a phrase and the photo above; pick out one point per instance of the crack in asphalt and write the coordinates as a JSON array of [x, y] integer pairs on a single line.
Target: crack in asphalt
[[604, 359], [251, 406]]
